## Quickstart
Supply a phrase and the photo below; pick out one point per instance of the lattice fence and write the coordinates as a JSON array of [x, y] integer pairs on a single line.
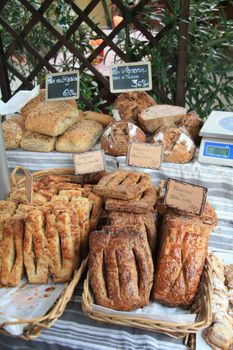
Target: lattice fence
[[43, 59]]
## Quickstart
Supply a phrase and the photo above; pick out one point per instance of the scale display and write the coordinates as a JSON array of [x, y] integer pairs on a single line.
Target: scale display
[[217, 142], [216, 152]]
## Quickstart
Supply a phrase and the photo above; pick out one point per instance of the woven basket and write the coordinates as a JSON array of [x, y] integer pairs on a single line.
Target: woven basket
[[175, 330], [36, 325]]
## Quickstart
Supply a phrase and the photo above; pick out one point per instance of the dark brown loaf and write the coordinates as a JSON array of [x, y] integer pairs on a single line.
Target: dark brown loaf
[[116, 137], [178, 146], [192, 123], [130, 104], [116, 218], [181, 259], [120, 267]]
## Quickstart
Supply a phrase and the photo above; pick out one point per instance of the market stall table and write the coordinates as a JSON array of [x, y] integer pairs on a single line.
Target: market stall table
[[74, 330]]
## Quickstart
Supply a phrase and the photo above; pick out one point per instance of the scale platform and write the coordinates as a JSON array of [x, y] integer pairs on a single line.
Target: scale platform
[[217, 142]]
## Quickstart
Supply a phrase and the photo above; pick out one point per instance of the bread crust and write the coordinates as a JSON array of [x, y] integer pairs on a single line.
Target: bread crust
[[117, 218], [52, 118], [35, 248], [181, 258], [120, 267], [131, 104], [11, 252], [122, 185], [116, 137], [81, 137], [178, 146], [33, 141]]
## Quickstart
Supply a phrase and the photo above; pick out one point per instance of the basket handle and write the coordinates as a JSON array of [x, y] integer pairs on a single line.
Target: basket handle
[[13, 175]]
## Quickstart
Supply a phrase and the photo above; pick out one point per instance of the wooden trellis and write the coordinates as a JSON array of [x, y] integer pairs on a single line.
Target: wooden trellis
[[130, 16]]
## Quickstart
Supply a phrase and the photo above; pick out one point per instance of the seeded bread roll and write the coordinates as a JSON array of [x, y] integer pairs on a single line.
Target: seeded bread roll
[[116, 137], [36, 100], [130, 104], [178, 147], [33, 141], [81, 137], [192, 123], [157, 116], [52, 118], [13, 128]]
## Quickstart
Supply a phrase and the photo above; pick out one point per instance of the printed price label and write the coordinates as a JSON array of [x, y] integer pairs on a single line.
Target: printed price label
[[144, 155], [62, 86], [89, 162], [185, 196], [28, 184], [130, 77]]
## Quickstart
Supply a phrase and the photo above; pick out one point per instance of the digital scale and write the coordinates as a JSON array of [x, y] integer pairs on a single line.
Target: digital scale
[[217, 142]]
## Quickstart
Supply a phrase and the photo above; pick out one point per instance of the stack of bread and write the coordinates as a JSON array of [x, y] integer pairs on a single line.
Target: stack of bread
[[47, 125], [167, 125], [49, 237], [132, 259]]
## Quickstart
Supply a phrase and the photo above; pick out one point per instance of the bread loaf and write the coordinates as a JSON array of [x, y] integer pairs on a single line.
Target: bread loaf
[[117, 218], [103, 119], [116, 137], [120, 267], [122, 185], [192, 123], [13, 129], [52, 118], [130, 104], [178, 147], [157, 116], [11, 252], [31, 105], [181, 258], [81, 137], [36, 258], [33, 141]]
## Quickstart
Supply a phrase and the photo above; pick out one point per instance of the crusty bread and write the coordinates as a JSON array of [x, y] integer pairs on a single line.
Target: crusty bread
[[33, 103], [52, 118], [36, 100], [11, 252], [154, 117], [81, 137], [178, 146], [181, 258], [33, 141], [120, 267], [192, 123], [130, 104], [103, 119], [12, 133], [35, 248], [116, 137]]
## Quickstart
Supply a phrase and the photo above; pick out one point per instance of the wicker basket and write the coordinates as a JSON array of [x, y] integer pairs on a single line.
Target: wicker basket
[[36, 325], [202, 308]]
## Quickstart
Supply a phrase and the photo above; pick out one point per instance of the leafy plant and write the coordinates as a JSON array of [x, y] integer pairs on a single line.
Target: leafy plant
[[61, 16], [209, 78]]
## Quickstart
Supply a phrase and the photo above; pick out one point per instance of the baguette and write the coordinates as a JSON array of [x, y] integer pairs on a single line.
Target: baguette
[[103, 119]]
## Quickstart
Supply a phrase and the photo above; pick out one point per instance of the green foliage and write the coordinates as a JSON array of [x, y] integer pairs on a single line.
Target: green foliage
[[61, 16], [209, 74]]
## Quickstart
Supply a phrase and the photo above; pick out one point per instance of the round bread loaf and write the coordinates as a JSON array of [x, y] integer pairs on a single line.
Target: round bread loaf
[[192, 123], [115, 139], [130, 104], [178, 145]]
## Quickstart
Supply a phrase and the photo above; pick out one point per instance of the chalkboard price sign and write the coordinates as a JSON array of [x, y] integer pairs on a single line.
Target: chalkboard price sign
[[130, 77], [62, 86]]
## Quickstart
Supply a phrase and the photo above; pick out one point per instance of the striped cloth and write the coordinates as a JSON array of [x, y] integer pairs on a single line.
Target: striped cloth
[[74, 330]]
